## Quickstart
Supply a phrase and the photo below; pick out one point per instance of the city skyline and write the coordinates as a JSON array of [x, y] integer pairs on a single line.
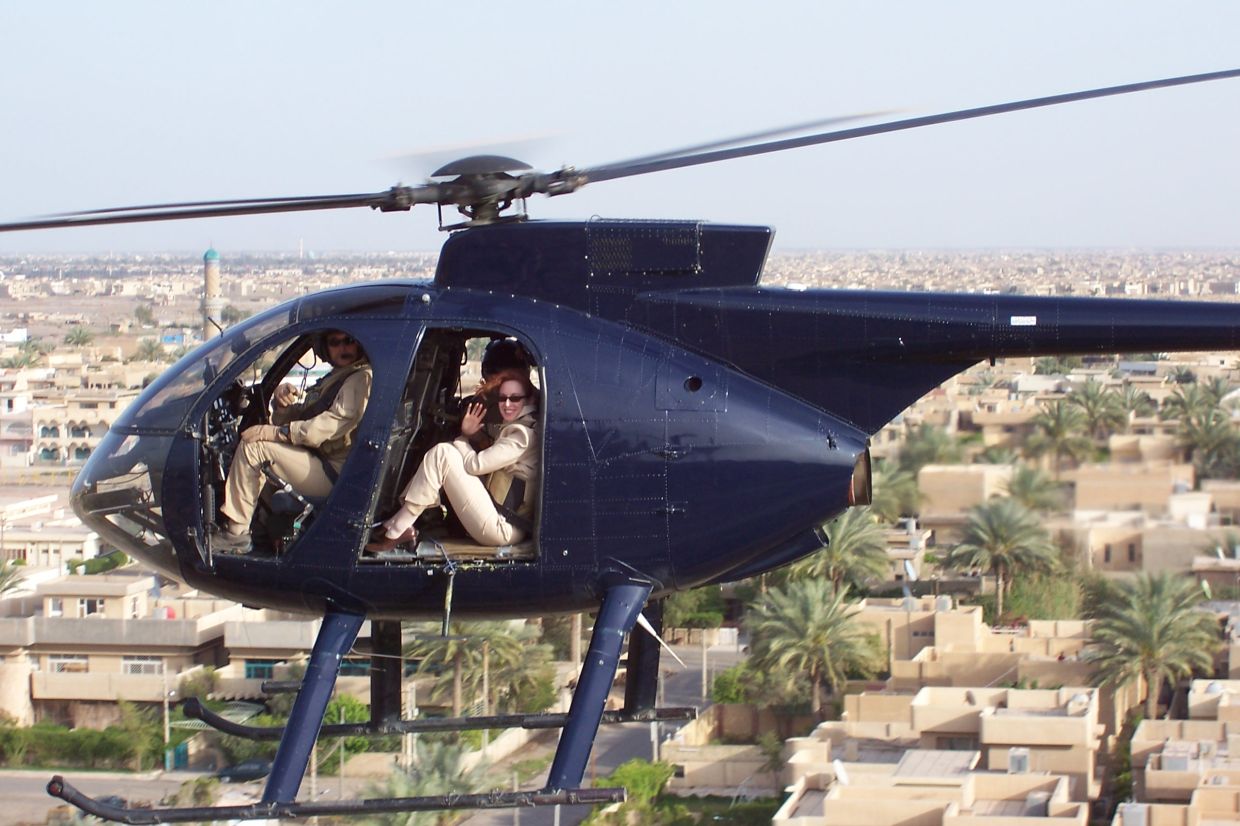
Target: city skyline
[[139, 103]]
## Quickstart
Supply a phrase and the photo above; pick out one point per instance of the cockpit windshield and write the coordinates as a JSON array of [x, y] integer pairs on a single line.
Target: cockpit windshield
[[165, 403]]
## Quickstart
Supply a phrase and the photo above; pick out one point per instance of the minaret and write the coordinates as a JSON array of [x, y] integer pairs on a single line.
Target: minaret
[[212, 303]]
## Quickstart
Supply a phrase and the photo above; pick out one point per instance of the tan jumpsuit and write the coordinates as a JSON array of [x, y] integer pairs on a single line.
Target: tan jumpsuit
[[458, 470], [330, 433]]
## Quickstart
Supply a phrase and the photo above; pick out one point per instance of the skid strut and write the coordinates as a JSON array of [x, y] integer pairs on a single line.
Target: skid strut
[[622, 602]]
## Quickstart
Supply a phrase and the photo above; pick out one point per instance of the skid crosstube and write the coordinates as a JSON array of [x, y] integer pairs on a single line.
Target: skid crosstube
[[194, 708], [61, 788]]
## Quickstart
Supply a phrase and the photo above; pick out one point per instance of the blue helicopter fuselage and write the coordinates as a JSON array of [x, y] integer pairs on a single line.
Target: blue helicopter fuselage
[[695, 427]]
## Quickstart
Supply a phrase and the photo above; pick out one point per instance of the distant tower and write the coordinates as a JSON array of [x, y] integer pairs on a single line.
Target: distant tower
[[212, 303]]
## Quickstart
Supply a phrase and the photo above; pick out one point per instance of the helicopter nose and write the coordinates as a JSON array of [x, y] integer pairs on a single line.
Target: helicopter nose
[[117, 494]]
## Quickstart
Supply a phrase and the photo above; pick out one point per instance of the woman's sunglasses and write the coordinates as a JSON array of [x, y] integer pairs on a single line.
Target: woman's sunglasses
[[519, 398], [340, 341]]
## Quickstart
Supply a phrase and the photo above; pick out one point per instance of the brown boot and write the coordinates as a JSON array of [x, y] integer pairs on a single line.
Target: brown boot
[[382, 544]]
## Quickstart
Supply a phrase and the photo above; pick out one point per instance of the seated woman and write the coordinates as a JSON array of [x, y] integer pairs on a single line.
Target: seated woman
[[470, 477]]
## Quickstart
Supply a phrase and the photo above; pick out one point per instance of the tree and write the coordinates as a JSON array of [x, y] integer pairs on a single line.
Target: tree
[[1055, 366], [1004, 538], [772, 747], [699, 608], [142, 733], [437, 770], [1212, 444], [998, 455], [806, 629], [1182, 375], [1187, 401], [856, 551], [1215, 389], [1135, 402], [150, 350], [1100, 407], [24, 358], [1035, 490], [231, 315], [1059, 430], [144, 315], [926, 445], [11, 576], [513, 660], [36, 346], [1150, 629], [895, 492], [79, 337]]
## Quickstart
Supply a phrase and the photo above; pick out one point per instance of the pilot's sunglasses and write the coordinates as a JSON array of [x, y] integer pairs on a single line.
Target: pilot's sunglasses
[[520, 398], [339, 341]]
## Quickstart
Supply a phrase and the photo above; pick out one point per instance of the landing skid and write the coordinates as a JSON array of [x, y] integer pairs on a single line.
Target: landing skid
[[193, 708], [623, 599], [61, 788]]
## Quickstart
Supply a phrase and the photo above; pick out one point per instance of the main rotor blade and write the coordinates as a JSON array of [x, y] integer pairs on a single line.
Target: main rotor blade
[[396, 198], [642, 167], [186, 204], [753, 136]]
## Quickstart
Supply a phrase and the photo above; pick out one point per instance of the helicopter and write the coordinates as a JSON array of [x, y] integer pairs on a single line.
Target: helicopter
[[696, 429]]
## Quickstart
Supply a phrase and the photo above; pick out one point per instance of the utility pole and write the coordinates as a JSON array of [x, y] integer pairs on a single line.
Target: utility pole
[[705, 680], [574, 641], [163, 671], [486, 689]]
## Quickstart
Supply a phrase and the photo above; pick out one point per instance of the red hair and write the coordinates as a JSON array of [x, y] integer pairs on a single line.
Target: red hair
[[490, 387]]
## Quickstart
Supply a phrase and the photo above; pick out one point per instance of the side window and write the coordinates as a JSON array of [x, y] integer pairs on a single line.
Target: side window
[[490, 516]]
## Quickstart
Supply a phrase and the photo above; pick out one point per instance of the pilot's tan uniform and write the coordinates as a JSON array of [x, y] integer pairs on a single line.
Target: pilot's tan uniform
[[457, 469], [328, 434]]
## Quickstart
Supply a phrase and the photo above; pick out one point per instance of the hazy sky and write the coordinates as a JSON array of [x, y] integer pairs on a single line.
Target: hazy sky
[[116, 103]]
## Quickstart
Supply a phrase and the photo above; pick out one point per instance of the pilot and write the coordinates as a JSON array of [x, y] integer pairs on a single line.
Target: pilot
[[491, 490], [307, 442]]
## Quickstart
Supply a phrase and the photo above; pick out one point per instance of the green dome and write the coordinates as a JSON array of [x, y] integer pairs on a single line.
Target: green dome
[[211, 255]]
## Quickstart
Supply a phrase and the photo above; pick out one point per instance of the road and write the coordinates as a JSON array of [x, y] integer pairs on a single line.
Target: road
[[616, 744], [26, 799]]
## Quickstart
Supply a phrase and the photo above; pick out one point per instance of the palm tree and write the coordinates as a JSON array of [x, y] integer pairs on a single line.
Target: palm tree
[[1183, 375], [1212, 444], [1216, 388], [437, 770], [24, 358], [1056, 366], [150, 350], [856, 551], [895, 492], [1100, 406], [79, 337], [1135, 402], [11, 576], [510, 652], [998, 455], [1004, 538], [805, 629], [1150, 629], [1059, 430], [1187, 401], [928, 445], [1034, 489]]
